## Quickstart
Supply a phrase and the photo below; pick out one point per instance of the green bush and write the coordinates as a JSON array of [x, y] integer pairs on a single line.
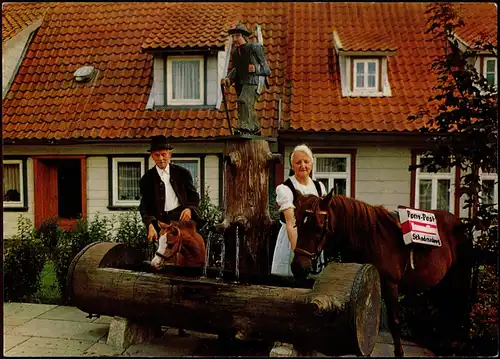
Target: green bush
[[70, 243], [48, 232], [23, 263], [132, 232], [210, 215]]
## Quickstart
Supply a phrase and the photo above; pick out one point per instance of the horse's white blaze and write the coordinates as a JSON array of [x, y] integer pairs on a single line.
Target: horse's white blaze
[[162, 248]]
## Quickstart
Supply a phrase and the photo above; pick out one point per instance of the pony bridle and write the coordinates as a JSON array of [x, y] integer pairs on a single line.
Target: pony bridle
[[316, 255], [169, 246]]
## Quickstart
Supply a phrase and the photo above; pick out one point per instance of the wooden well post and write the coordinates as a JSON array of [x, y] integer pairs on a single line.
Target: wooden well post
[[247, 223]]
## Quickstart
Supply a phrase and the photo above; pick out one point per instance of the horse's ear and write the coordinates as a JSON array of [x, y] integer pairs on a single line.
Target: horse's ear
[[162, 225], [325, 201]]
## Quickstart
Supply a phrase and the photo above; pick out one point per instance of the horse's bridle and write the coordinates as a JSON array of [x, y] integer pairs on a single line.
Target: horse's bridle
[[169, 246], [316, 255]]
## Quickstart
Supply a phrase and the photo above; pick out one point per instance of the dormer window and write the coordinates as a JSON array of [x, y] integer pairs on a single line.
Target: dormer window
[[363, 71], [366, 74], [185, 80], [490, 70]]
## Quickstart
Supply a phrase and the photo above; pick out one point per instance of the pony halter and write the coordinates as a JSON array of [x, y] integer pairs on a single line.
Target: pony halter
[[316, 256]]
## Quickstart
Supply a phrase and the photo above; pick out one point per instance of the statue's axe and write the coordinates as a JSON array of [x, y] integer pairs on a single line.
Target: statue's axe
[[225, 107]]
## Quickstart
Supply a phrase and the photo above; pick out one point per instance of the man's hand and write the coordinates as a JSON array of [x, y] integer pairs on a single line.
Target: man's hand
[[225, 81], [185, 215], [251, 68], [152, 235]]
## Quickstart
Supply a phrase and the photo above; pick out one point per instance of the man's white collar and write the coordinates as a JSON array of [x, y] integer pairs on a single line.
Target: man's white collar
[[165, 171]]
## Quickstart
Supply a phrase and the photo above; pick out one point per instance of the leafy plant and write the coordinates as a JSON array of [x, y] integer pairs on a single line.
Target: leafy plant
[[70, 243], [462, 121], [132, 232], [209, 213], [23, 263]]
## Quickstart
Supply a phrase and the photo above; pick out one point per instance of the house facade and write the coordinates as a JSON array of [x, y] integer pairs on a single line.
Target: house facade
[[91, 83]]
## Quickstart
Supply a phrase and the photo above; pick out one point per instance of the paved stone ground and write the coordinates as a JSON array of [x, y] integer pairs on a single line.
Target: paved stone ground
[[51, 330]]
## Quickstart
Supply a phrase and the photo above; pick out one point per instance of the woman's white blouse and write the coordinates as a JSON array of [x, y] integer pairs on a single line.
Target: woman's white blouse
[[284, 196]]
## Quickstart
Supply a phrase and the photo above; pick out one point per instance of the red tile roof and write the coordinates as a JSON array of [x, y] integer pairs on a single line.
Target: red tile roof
[[18, 16], [44, 102], [174, 26]]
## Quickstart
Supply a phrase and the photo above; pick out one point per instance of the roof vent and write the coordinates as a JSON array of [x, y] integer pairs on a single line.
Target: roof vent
[[84, 73]]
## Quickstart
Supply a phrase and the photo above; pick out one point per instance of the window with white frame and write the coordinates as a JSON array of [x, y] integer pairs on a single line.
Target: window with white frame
[[127, 172], [192, 165], [185, 80], [366, 74], [490, 70], [13, 184], [334, 172], [489, 185], [434, 190]]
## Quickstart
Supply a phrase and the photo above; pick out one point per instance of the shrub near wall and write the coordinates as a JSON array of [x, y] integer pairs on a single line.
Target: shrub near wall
[[23, 263], [70, 243]]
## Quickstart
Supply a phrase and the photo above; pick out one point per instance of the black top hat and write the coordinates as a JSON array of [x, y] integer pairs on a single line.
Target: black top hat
[[239, 29], [159, 143]]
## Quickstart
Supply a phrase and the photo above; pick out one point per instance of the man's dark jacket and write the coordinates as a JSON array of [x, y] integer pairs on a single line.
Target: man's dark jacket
[[153, 193]]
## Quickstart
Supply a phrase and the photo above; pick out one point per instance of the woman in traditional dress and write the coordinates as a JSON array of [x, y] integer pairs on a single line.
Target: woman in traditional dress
[[301, 161]]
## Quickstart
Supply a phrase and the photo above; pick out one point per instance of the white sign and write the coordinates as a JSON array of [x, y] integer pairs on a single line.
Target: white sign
[[419, 227]]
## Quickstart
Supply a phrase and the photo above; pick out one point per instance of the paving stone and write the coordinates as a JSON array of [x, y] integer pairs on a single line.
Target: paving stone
[[50, 347], [414, 351], [169, 345], [386, 338], [67, 313], [103, 319], [10, 341], [101, 349], [62, 329], [15, 321], [7, 329], [25, 310]]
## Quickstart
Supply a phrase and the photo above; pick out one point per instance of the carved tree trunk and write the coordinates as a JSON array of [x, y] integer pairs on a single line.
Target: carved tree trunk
[[246, 212], [339, 315]]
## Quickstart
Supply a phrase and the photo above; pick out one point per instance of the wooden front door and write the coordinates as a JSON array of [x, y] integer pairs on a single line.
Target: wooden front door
[[60, 189]]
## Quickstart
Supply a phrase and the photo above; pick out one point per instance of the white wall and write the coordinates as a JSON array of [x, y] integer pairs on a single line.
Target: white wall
[[97, 173], [382, 176]]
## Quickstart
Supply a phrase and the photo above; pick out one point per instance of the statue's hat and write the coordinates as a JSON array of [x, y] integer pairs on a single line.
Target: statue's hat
[[239, 29]]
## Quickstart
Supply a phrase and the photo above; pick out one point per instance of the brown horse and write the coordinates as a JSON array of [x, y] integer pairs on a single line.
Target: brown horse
[[179, 244], [370, 234]]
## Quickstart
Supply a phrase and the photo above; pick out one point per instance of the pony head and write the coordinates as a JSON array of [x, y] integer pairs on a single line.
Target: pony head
[[169, 245], [313, 227]]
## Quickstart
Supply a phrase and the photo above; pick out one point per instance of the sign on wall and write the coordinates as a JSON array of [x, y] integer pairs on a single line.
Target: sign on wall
[[419, 227]]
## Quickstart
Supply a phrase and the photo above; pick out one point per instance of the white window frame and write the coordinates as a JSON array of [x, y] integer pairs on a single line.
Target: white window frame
[[115, 160], [332, 176], [198, 160], [365, 88], [20, 203], [485, 60], [484, 176], [435, 177], [177, 102]]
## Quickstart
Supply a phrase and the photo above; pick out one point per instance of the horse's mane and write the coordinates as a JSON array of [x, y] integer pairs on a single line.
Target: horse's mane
[[183, 224], [360, 223]]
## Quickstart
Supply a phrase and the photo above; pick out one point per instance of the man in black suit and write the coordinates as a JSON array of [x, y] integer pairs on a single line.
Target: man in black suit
[[167, 190]]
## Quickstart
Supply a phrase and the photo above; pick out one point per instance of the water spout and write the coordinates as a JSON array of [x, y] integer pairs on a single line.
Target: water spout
[[207, 254], [222, 255], [237, 265]]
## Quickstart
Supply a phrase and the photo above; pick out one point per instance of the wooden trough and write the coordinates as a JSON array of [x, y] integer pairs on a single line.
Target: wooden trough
[[338, 315]]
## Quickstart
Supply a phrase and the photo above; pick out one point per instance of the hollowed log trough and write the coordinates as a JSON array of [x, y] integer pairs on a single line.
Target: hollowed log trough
[[338, 315]]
